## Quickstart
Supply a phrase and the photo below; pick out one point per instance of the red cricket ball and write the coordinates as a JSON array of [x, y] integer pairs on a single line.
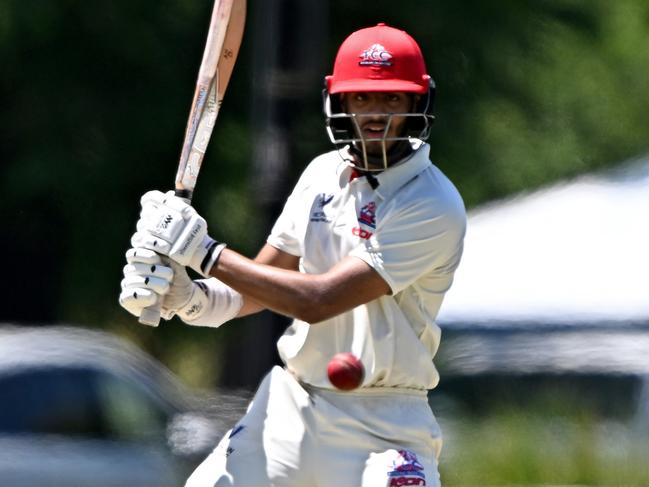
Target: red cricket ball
[[345, 371]]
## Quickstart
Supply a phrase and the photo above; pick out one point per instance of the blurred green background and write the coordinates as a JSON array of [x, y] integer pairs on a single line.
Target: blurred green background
[[94, 99]]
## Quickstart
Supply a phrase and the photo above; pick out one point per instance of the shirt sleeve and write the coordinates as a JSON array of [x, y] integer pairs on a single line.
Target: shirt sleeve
[[413, 242], [285, 234]]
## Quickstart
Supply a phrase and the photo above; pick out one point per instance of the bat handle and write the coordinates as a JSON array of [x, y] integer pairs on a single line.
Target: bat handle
[[151, 316], [184, 194]]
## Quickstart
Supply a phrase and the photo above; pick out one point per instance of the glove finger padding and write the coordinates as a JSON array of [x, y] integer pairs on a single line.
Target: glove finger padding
[[154, 197], [134, 300], [150, 270], [142, 256], [145, 240], [145, 269], [149, 278], [138, 281], [146, 280], [157, 198]]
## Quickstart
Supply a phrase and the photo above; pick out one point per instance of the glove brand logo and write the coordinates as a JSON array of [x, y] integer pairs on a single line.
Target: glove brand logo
[[195, 308], [197, 228], [165, 221], [375, 55]]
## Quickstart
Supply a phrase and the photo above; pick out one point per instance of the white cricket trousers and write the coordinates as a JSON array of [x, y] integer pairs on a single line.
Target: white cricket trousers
[[299, 436]]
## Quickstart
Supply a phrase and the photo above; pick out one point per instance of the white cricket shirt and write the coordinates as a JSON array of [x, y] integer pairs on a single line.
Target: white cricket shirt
[[409, 229]]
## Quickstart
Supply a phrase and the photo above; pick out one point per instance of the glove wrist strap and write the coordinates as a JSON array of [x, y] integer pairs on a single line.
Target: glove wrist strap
[[223, 304], [211, 257]]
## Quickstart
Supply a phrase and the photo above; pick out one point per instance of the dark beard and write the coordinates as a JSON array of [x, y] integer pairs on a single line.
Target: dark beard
[[397, 152]]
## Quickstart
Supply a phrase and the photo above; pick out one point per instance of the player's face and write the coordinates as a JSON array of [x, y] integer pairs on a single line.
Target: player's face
[[371, 110]]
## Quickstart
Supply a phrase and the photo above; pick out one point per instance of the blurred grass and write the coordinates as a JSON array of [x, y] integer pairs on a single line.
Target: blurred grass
[[531, 447]]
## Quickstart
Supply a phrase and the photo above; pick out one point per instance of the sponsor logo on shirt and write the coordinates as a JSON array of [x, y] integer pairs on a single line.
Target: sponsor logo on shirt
[[366, 218], [406, 480], [406, 470], [319, 214]]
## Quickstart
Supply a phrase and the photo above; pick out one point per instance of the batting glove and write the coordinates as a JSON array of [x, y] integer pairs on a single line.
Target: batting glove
[[170, 226], [147, 281]]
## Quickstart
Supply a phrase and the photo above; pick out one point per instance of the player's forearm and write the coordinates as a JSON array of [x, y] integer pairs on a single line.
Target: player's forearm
[[270, 256], [308, 297], [250, 307], [265, 286]]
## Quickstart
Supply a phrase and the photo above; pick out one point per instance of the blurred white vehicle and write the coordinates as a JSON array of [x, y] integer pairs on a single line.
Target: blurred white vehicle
[[83, 408]]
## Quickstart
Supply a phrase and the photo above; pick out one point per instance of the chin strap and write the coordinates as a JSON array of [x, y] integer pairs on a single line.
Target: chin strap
[[371, 179], [374, 183]]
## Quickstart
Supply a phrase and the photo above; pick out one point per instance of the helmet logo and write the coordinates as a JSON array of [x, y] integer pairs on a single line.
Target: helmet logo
[[375, 55]]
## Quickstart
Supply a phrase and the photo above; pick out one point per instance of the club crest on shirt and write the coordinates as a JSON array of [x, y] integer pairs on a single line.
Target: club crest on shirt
[[318, 213], [407, 470], [366, 221], [368, 215]]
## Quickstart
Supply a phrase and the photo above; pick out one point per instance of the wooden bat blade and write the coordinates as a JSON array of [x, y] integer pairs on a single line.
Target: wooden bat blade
[[221, 50], [231, 45], [224, 41]]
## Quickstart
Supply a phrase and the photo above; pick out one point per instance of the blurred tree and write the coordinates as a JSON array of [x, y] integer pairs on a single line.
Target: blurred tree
[[95, 95], [528, 92]]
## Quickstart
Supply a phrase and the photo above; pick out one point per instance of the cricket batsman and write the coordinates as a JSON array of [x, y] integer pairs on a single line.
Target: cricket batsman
[[360, 257]]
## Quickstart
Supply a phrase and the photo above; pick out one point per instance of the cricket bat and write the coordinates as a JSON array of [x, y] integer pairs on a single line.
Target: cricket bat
[[221, 50]]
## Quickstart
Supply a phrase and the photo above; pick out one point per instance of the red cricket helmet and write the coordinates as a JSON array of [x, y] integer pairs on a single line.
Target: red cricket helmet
[[379, 58]]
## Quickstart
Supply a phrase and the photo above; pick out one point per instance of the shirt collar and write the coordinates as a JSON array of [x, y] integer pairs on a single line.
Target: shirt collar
[[396, 176]]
